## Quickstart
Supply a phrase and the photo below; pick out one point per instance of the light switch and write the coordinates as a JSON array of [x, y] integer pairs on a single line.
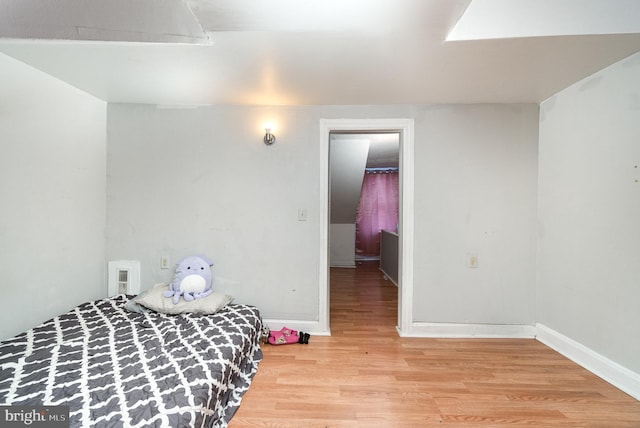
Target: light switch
[[302, 214]]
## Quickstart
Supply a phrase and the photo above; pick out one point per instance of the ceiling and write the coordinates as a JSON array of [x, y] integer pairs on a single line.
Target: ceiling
[[319, 52]]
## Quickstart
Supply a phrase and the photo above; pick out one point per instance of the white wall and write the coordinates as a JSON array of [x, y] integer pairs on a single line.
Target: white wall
[[347, 161], [588, 285], [184, 181], [52, 188], [342, 243], [189, 181], [475, 193]]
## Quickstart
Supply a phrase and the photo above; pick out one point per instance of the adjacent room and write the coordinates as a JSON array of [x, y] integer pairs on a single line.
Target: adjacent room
[[500, 286]]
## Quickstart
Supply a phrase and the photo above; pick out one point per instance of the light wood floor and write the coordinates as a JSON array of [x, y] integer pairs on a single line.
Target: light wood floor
[[364, 375]]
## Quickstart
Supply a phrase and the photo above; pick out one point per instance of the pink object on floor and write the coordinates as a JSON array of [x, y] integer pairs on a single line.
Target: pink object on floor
[[284, 336]]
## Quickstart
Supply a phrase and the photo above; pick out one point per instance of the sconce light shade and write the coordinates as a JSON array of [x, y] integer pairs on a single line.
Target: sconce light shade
[[269, 138]]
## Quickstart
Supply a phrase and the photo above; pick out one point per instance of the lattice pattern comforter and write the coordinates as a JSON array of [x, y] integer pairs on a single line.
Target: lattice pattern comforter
[[116, 368]]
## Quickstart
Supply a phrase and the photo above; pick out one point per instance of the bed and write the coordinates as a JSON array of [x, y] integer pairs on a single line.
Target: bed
[[116, 368]]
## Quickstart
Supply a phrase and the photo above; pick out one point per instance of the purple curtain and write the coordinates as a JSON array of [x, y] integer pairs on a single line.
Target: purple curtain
[[377, 210]]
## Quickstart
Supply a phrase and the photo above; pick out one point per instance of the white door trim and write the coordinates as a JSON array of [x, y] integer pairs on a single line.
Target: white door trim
[[405, 274]]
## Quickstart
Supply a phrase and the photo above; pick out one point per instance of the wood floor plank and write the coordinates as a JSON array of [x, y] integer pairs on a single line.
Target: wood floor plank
[[364, 375]]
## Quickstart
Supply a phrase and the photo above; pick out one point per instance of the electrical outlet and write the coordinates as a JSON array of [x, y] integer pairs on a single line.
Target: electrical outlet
[[122, 287], [123, 281], [164, 262]]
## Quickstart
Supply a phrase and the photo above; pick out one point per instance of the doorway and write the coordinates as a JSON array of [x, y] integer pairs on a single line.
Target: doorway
[[363, 188], [404, 127]]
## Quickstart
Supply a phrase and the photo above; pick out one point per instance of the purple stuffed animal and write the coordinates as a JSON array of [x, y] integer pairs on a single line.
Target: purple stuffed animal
[[192, 279]]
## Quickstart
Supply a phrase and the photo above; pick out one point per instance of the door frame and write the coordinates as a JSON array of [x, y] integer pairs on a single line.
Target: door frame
[[405, 228]]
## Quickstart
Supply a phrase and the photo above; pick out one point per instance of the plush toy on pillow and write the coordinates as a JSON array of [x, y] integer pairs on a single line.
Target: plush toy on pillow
[[192, 279]]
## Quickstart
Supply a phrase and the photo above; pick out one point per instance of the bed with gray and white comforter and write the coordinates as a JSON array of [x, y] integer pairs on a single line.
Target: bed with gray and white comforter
[[115, 368]]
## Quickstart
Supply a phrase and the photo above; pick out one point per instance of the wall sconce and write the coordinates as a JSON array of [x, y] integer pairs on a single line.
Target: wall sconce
[[269, 138]]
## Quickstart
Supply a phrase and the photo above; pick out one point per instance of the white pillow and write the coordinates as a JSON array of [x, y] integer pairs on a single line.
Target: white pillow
[[154, 299]]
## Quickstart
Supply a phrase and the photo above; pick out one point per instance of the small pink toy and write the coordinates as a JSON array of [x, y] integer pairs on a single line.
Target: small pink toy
[[284, 336]]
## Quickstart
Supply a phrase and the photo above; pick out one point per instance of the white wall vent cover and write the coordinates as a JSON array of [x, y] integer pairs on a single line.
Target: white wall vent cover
[[124, 277]]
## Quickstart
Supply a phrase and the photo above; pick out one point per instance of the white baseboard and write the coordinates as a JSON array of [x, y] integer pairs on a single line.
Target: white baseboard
[[612, 372], [346, 264], [387, 277], [451, 330]]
